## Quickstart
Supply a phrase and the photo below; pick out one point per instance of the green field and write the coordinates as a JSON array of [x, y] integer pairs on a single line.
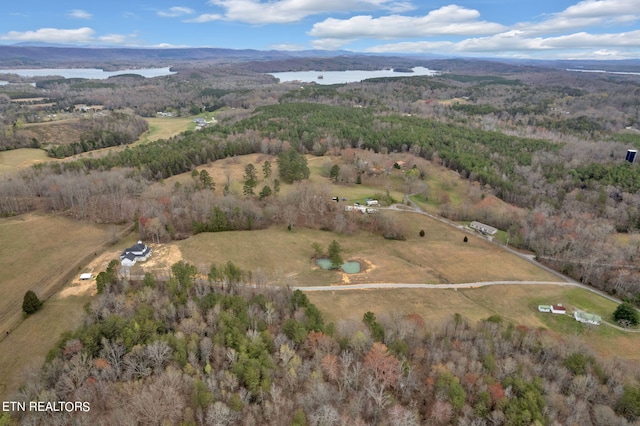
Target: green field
[[16, 159]]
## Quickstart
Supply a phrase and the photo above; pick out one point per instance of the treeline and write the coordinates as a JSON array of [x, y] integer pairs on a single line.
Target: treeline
[[102, 131], [217, 347]]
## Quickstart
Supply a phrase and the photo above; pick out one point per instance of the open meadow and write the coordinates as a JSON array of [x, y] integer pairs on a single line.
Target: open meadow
[[515, 304], [441, 256], [17, 159], [41, 253]]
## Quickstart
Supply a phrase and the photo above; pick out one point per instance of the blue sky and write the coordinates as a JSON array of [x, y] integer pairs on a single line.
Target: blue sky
[[549, 29]]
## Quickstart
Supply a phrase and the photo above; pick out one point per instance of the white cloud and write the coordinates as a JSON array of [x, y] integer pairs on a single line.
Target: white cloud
[[515, 40], [585, 14], [114, 39], [411, 47], [448, 20], [207, 17], [175, 12], [71, 36], [290, 47], [330, 43], [53, 35], [79, 14], [289, 11]]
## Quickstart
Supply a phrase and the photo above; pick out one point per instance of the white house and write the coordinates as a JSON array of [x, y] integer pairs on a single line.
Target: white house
[[481, 227], [372, 203], [137, 253], [558, 309]]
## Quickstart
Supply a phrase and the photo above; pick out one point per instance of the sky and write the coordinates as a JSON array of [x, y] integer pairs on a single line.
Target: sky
[[539, 29]]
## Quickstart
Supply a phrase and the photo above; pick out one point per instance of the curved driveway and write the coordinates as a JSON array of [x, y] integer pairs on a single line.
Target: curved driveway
[[567, 281]]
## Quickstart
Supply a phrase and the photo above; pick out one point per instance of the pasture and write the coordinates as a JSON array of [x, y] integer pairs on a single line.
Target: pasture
[[41, 253], [516, 304], [16, 159], [439, 257], [24, 350]]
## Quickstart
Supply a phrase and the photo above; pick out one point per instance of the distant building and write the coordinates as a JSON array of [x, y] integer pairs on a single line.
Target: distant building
[[544, 308], [587, 318], [85, 276], [558, 309], [482, 228], [137, 253], [631, 155]]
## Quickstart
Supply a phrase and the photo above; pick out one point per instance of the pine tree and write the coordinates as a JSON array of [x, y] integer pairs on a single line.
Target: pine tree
[[31, 304]]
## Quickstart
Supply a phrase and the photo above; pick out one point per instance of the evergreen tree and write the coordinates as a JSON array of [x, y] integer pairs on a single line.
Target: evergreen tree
[[266, 169], [626, 314], [250, 179], [265, 192], [335, 254], [206, 180], [292, 166], [31, 304], [334, 172]]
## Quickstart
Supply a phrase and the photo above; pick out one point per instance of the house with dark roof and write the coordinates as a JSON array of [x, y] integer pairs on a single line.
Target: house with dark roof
[[136, 253]]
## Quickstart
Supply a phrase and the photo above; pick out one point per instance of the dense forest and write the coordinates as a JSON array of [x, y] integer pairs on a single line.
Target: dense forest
[[218, 349]]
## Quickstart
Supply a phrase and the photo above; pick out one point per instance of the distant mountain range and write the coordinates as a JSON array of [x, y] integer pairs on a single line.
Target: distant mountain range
[[26, 55]]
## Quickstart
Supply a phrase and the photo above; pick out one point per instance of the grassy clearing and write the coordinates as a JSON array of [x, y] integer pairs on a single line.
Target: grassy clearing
[[25, 348], [165, 128], [439, 257], [16, 159], [39, 253], [514, 303]]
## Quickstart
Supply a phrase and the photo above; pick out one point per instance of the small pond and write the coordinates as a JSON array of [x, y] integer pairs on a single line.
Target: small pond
[[348, 267]]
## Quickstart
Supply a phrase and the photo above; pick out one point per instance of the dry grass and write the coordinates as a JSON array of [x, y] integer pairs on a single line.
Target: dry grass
[[514, 303], [16, 159], [24, 350], [164, 128], [40, 253], [439, 257]]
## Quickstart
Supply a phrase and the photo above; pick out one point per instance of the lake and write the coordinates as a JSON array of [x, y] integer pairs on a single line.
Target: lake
[[603, 71], [93, 73], [341, 77]]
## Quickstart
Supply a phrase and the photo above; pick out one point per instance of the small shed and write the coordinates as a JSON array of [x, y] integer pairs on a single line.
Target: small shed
[[544, 308], [85, 276], [558, 309]]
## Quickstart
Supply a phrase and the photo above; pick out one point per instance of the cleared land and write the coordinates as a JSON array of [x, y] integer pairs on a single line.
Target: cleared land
[[439, 257], [41, 253], [514, 303], [165, 128], [24, 350], [15, 159]]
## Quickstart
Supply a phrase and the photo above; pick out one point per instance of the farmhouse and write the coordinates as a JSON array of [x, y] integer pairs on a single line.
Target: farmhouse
[[137, 253], [555, 309], [481, 227], [587, 318]]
